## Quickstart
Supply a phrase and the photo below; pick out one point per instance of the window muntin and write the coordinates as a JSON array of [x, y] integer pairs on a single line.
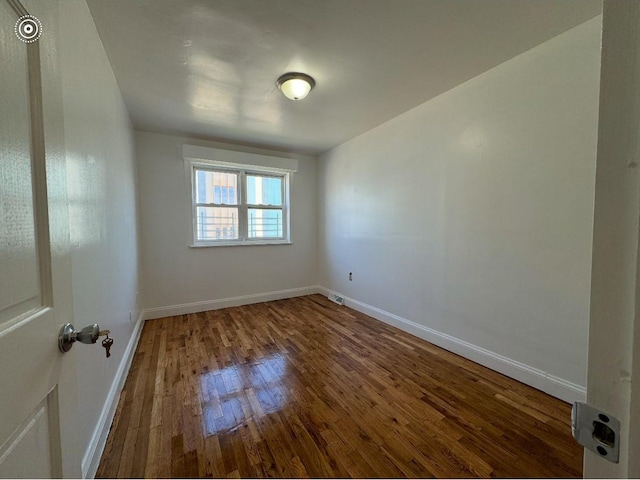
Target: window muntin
[[236, 206]]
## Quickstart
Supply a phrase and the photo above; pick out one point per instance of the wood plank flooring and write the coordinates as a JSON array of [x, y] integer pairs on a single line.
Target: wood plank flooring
[[305, 388]]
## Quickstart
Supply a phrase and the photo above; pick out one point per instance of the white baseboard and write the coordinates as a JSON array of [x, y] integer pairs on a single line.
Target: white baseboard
[[555, 386], [98, 441], [195, 307]]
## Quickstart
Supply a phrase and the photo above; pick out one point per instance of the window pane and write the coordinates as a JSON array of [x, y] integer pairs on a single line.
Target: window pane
[[264, 190], [215, 223], [265, 223], [216, 187]]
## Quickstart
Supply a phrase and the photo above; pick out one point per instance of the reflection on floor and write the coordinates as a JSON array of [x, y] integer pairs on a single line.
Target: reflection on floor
[[259, 382], [305, 388]]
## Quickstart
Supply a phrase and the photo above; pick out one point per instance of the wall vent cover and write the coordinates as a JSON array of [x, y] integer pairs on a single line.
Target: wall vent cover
[[334, 297]]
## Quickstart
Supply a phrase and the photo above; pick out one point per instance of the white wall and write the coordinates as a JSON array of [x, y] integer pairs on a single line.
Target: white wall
[[471, 215], [102, 213], [176, 278]]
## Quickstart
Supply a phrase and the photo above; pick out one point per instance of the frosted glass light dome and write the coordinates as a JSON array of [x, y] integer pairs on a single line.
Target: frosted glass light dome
[[295, 85]]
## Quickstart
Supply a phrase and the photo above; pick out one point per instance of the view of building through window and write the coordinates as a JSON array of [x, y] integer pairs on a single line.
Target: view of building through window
[[219, 205], [218, 222], [264, 191]]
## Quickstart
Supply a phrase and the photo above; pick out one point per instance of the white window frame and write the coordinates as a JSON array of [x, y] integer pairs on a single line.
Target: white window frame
[[242, 170]]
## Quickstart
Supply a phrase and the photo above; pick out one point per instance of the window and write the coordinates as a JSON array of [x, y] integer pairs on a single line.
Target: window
[[233, 206]]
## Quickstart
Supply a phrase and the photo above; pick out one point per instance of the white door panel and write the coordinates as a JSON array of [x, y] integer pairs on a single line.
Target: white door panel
[[19, 284], [37, 381], [33, 435]]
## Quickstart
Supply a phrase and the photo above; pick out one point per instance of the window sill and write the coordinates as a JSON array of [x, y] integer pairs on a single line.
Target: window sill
[[241, 244]]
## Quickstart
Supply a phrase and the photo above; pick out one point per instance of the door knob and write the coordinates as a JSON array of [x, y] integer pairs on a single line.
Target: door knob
[[69, 335]]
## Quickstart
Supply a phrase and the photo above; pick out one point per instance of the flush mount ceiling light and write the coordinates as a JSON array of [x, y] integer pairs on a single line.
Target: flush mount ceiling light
[[295, 85]]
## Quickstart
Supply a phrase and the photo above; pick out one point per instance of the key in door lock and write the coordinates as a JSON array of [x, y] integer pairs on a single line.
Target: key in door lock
[[89, 334], [107, 342]]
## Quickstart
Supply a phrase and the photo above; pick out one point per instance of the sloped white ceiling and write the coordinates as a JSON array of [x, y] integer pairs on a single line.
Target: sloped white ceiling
[[208, 68]]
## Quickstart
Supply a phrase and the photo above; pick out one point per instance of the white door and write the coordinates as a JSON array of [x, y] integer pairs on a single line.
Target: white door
[[37, 386]]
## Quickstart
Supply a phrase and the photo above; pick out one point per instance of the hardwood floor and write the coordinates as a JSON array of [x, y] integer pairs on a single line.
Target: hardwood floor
[[305, 388]]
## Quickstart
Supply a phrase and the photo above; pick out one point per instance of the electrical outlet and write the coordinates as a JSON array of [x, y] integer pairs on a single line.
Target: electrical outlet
[[350, 276]]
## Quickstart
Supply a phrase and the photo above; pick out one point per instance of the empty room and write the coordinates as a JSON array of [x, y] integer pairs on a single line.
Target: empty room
[[319, 238]]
